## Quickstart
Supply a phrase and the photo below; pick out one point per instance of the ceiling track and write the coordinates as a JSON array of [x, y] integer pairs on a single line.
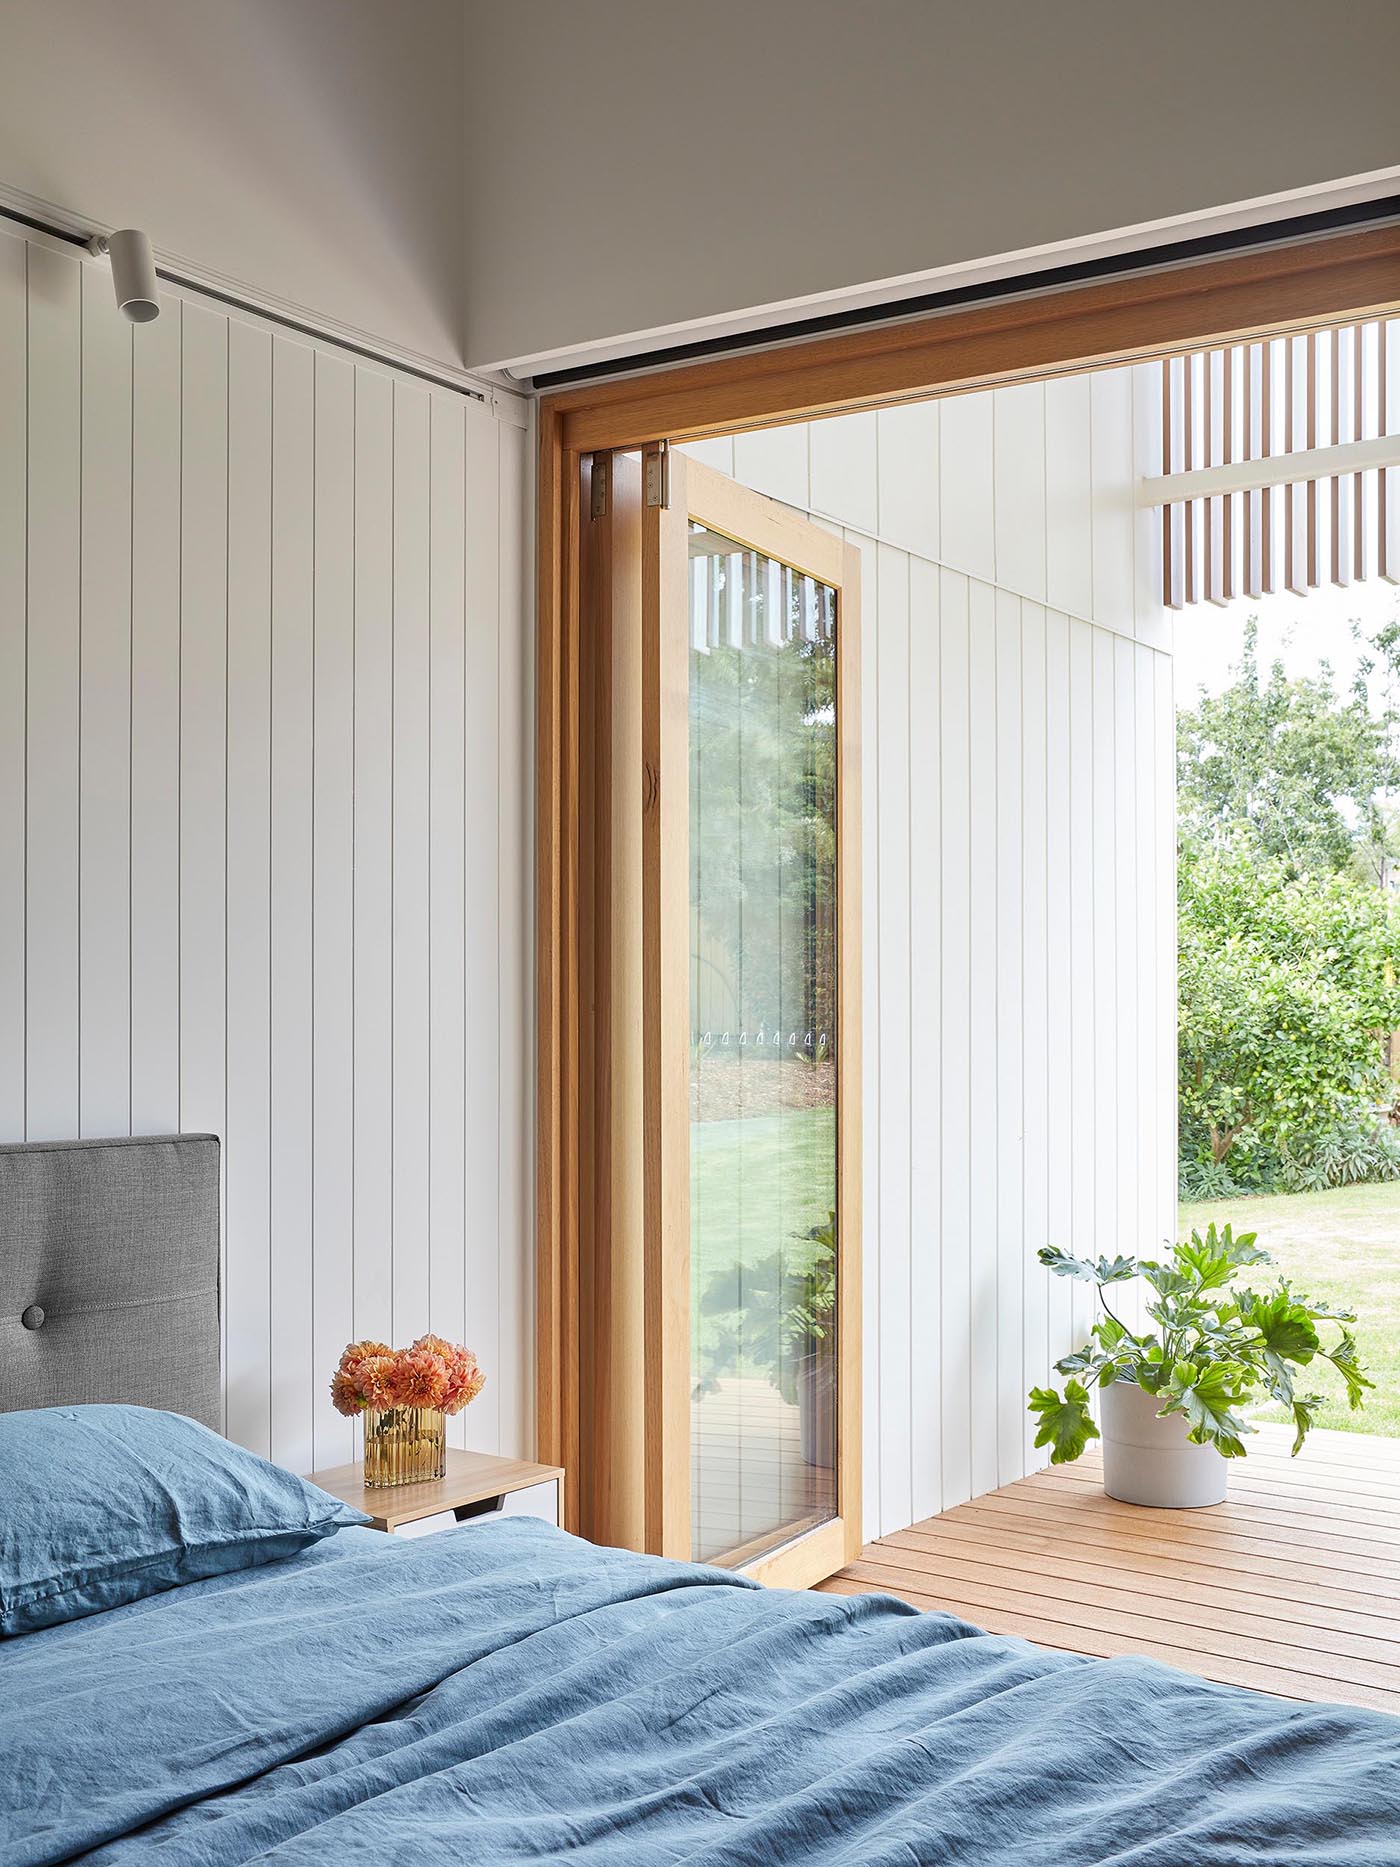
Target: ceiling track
[[1142, 261]]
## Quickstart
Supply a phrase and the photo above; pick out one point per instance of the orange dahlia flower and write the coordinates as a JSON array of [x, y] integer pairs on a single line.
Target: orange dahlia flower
[[415, 1379], [465, 1381], [432, 1373], [356, 1352], [437, 1345]]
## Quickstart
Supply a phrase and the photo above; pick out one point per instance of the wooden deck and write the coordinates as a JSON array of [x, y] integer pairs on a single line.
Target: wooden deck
[[1292, 1587]]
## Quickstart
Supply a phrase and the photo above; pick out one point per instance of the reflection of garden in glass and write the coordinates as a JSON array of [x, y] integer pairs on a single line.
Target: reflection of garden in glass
[[763, 1074]]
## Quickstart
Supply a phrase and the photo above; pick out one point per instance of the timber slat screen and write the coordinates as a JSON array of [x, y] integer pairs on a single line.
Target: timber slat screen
[[1255, 402]]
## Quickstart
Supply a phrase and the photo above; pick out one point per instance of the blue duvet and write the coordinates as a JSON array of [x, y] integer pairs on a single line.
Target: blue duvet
[[506, 1693]]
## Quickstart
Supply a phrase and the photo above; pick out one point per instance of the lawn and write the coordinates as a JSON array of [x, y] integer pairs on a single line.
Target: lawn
[[755, 1185], [1343, 1246], [756, 1182]]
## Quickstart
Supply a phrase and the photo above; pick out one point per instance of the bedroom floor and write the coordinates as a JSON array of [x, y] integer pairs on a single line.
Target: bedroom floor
[[1293, 1587]]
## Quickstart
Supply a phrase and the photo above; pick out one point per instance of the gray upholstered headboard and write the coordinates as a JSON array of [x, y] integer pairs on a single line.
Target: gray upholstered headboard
[[109, 1274]]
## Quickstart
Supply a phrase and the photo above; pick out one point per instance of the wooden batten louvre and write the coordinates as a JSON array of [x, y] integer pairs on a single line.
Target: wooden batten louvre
[[1282, 398]]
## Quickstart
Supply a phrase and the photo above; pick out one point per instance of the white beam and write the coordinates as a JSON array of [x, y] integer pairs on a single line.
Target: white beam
[[1244, 476]]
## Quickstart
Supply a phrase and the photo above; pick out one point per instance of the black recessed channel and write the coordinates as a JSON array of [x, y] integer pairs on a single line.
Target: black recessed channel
[[1146, 259]]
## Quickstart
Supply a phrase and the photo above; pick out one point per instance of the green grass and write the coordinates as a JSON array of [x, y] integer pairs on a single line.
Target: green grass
[[1343, 1246], [756, 1183]]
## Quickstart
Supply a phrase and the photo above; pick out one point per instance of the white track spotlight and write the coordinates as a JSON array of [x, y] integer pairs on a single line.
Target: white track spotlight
[[133, 272]]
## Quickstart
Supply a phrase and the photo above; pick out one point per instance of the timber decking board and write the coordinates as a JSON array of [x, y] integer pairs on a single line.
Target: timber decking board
[[1292, 1587]]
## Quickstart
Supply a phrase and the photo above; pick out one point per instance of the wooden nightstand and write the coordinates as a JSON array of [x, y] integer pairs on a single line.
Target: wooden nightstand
[[477, 1488]]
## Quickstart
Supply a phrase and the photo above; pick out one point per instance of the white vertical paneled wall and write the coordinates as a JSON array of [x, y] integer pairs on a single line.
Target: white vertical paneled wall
[[1020, 946], [265, 766]]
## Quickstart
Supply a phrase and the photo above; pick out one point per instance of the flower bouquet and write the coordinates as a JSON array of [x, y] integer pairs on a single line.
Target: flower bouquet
[[405, 1396]]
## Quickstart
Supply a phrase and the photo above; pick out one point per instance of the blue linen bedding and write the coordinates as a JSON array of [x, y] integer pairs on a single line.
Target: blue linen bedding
[[106, 1504], [506, 1693]]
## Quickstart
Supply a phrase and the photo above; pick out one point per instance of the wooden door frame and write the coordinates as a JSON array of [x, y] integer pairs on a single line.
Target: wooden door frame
[[1271, 291]]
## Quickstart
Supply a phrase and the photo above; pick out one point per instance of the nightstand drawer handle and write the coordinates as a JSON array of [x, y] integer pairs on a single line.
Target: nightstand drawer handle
[[482, 1507], [33, 1317]]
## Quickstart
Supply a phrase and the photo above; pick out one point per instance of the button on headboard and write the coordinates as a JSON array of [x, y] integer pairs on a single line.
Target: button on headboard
[[109, 1274]]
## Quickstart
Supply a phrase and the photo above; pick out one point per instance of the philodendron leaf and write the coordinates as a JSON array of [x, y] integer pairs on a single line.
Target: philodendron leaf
[[1280, 1379], [1082, 1361], [1152, 1373], [1111, 1348], [1105, 1271], [1094, 1366], [1206, 1269], [1242, 1250], [1344, 1359], [1063, 1265], [1325, 1312], [1066, 1426], [1164, 1279], [1115, 1270], [1212, 1261], [1305, 1406], [1207, 1395], [1286, 1332]]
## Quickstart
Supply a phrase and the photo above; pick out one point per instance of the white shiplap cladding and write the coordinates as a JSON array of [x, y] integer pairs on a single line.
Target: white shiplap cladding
[[264, 819], [1019, 838]]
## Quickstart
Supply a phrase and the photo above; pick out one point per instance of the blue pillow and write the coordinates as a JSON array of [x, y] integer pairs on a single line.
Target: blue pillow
[[102, 1505]]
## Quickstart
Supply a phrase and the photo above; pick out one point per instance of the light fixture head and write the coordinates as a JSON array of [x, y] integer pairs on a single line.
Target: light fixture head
[[133, 272]]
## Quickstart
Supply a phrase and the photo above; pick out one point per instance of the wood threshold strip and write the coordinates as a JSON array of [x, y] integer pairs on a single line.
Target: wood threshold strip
[[1287, 1589]]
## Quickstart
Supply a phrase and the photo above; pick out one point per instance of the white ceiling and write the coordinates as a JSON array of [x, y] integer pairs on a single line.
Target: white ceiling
[[483, 181], [310, 150]]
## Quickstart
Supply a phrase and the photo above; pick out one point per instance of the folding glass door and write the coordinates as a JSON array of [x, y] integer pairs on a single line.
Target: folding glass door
[[738, 1268]]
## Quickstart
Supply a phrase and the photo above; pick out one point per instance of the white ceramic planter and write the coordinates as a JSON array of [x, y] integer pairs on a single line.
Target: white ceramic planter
[[1151, 1461]]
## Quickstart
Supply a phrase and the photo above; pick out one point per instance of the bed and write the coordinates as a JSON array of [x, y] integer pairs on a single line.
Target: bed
[[505, 1692]]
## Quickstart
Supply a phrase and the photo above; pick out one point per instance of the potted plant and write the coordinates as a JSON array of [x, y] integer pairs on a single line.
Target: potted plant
[[1171, 1397]]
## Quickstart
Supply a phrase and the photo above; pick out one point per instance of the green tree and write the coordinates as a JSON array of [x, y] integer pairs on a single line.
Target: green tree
[[1375, 855], [763, 831], [1286, 984], [1288, 769]]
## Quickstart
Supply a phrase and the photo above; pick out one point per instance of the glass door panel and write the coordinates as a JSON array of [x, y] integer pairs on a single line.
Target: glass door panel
[[763, 1063]]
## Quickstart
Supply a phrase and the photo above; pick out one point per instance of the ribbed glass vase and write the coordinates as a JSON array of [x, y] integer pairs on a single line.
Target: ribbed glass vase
[[404, 1445]]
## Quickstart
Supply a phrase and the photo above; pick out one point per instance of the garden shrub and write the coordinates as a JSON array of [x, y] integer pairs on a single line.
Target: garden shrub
[[1362, 1145]]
